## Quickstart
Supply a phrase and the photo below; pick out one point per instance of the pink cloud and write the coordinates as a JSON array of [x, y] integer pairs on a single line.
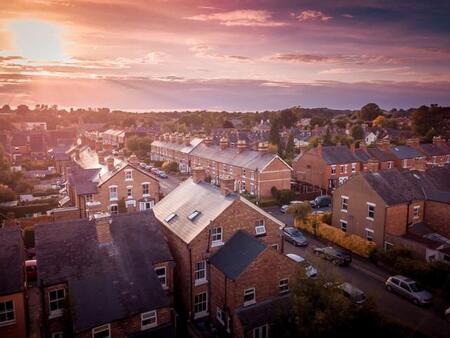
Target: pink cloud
[[243, 17], [313, 15]]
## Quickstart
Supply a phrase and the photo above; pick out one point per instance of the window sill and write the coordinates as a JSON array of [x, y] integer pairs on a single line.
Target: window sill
[[343, 210], [7, 323], [370, 218], [201, 314], [114, 199], [250, 303], [53, 315], [216, 244], [199, 282], [146, 327]]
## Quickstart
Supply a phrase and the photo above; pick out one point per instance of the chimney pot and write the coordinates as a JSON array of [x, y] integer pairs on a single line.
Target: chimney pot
[[226, 183], [263, 147], [223, 143], [102, 226], [198, 174], [110, 163]]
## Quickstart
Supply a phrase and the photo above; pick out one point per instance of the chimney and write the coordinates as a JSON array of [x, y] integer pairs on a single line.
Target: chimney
[[352, 147], [133, 160], [208, 140], [226, 184], [110, 163], [98, 145], [180, 138], [362, 146], [101, 157], [102, 225], [198, 174], [385, 144], [420, 164], [263, 147], [413, 142], [437, 140], [187, 140], [319, 148], [241, 145], [223, 143]]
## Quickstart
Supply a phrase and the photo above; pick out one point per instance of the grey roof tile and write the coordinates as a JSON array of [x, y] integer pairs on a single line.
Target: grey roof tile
[[405, 152], [12, 257], [338, 155]]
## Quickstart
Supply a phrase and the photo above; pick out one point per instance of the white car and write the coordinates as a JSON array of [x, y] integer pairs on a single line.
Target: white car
[[284, 208], [310, 271]]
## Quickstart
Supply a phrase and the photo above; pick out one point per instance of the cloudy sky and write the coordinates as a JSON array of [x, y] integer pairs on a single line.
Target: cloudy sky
[[232, 55]]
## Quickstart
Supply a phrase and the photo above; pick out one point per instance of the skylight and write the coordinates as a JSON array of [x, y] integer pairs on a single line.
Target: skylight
[[170, 217], [192, 216]]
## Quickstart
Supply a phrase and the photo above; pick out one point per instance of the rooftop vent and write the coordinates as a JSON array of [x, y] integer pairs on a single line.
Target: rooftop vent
[[170, 217], [192, 216]]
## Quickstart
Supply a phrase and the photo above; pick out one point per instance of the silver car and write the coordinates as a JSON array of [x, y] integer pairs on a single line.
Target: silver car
[[356, 295], [310, 271], [409, 289]]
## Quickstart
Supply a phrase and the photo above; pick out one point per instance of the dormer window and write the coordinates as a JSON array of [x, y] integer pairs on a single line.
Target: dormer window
[[170, 217], [192, 216]]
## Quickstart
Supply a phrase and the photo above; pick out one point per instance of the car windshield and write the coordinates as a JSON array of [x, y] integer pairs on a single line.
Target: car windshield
[[358, 296], [415, 287], [296, 233]]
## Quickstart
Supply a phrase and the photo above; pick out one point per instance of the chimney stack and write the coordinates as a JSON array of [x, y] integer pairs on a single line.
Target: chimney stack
[[180, 138], [413, 142], [372, 165], [110, 164], [420, 164], [384, 144], [241, 145], [223, 143], [362, 146], [198, 174], [438, 140], [208, 140], [352, 147], [187, 140], [101, 157], [102, 225], [226, 184], [319, 148], [133, 160], [263, 147]]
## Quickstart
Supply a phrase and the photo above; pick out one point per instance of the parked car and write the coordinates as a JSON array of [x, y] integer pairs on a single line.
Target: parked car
[[356, 295], [148, 167], [31, 270], [155, 171], [142, 165], [310, 271], [162, 174], [294, 236], [321, 202], [447, 314], [338, 257], [409, 289], [284, 208]]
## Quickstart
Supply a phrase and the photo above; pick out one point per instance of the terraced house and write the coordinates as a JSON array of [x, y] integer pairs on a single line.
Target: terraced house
[[96, 184], [198, 219], [113, 277]]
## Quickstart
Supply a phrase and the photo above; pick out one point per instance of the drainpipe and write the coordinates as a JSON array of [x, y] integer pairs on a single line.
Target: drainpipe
[[190, 283]]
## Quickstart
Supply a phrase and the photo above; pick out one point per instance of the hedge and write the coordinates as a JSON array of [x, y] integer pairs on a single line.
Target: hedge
[[353, 243]]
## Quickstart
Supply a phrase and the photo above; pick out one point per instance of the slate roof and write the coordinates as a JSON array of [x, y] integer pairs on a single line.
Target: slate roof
[[405, 152], [106, 281], [60, 153], [264, 312], [237, 254], [434, 183], [380, 155], [83, 180], [177, 146], [434, 149], [18, 139], [393, 187], [249, 159], [12, 257], [37, 144], [338, 155], [184, 200]]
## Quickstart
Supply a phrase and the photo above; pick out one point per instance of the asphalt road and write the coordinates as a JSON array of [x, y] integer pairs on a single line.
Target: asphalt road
[[168, 184], [370, 279]]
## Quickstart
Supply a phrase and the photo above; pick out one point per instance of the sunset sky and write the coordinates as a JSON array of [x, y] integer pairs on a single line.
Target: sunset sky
[[224, 55]]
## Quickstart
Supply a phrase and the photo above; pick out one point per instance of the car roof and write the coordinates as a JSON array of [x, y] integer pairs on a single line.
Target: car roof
[[350, 288], [295, 257], [403, 278]]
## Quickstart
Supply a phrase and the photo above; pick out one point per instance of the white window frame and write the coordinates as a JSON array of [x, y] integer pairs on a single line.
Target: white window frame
[[333, 170], [258, 332], [128, 174], [369, 211], [200, 271], [220, 315], [89, 198], [216, 236], [343, 227], [162, 279], [113, 197], [248, 292], [102, 328], [389, 165], [149, 315], [203, 312], [58, 334], [275, 246], [388, 245], [260, 227], [416, 212], [111, 211], [144, 193], [344, 202], [59, 311], [371, 232], [9, 321], [283, 285], [353, 168], [130, 192], [143, 205]]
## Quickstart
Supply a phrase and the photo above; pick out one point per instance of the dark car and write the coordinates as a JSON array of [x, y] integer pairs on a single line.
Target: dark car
[[294, 236], [321, 201], [338, 257]]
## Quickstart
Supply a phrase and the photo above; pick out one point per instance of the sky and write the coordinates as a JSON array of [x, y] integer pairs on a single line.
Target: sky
[[224, 55]]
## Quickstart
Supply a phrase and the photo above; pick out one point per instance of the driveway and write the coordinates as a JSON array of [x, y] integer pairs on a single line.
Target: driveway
[[370, 279]]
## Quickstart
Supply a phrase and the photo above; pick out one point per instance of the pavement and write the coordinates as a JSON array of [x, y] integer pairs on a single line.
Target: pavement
[[370, 279]]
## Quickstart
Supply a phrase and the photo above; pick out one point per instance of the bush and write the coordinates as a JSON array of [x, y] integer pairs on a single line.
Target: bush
[[6, 194], [158, 164], [171, 167], [285, 196], [326, 218]]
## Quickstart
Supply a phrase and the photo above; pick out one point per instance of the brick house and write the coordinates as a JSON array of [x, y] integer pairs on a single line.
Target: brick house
[[100, 185], [326, 167], [249, 278], [383, 206], [175, 148], [253, 171], [198, 218], [437, 153], [12, 284], [407, 155], [113, 277]]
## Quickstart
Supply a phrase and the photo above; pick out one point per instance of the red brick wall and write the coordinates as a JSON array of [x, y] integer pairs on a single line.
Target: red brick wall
[[276, 174], [396, 219], [19, 328], [437, 216]]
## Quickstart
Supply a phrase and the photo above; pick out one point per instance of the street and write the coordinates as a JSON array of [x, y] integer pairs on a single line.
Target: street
[[370, 279], [166, 185]]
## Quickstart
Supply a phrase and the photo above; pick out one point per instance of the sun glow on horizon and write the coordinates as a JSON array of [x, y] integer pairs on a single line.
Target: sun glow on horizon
[[37, 40]]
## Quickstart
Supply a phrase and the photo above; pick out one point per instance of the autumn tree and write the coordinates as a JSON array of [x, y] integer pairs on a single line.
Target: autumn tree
[[378, 121]]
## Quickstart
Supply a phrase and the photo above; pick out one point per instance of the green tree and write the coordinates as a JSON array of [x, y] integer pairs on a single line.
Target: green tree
[[290, 147], [328, 138], [425, 118], [7, 194], [357, 132], [274, 135], [300, 211], [227, 124], [369, 112]]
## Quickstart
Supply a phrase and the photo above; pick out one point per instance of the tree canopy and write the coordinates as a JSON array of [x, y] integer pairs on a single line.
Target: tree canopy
[[369, 112]]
